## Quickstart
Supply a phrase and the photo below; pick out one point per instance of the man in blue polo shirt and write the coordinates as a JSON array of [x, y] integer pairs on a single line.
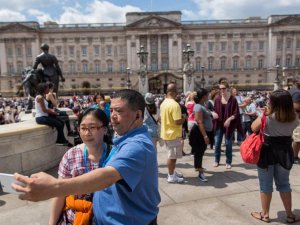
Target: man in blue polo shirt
[[126, 185]]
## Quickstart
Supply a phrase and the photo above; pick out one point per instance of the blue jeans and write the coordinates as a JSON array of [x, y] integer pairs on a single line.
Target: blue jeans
[[276, 172], [228, 143], [53, 122]]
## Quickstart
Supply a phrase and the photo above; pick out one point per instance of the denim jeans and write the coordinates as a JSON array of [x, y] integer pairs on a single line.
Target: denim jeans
[[228, 143], [276, 172], [53, 122]]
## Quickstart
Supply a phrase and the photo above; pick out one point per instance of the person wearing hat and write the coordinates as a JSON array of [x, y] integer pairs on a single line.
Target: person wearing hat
[[52, 71], [149, 118]]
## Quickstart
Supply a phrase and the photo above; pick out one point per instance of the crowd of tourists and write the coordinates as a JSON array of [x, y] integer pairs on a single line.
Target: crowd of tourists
[[112, 177]]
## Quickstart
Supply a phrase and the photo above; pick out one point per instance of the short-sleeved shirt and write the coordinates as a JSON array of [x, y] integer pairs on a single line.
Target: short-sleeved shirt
[[72, 165], [275, 128], [134, 199], [207, 117], [169, 112]]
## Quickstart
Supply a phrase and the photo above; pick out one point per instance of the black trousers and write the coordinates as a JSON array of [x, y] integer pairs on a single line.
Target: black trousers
[[196, 141]]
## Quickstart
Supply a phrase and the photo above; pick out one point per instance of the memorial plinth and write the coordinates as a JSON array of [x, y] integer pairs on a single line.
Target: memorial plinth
[[27, 147]]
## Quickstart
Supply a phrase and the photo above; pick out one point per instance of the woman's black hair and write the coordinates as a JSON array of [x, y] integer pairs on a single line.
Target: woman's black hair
[[101, 116], [201, 92], [41, 88]]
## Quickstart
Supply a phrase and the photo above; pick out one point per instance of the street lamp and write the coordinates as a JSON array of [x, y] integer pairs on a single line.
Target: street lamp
[[188, 52], [128, 82], [142, 54], [188, 67], [202, 77], [277, 73]]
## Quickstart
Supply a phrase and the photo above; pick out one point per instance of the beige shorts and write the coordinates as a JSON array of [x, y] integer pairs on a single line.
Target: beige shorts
[[296, 134], [174, 148]]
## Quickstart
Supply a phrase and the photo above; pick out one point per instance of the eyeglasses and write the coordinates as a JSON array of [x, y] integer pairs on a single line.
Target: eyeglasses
[[89, 129]]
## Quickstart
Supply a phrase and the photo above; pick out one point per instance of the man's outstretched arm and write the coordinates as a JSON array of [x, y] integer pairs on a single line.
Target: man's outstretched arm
[[42, 186]]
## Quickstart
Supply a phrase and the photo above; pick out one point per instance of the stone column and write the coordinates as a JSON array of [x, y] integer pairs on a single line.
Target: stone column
[[3, 58], [171, 53], [136, 59], [179, 51], [128, 51], [283, 56], [159, 66], [148, 49], [35, 46]]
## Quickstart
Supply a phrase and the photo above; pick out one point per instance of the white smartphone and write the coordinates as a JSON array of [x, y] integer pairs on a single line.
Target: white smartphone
[[6, 180]]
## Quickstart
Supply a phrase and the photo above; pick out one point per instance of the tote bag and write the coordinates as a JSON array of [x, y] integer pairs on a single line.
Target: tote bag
[[250, 148]]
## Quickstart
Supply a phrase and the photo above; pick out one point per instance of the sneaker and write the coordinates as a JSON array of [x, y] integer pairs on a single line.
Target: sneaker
[[228, 166], [202, 177], [296, 160], [174, 179], [177, 174]]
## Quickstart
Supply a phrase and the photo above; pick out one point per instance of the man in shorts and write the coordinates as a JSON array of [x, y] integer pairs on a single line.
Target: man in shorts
[[171, 132]]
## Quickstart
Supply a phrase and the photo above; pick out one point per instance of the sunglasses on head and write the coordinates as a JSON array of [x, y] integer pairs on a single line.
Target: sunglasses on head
[[222, 88]]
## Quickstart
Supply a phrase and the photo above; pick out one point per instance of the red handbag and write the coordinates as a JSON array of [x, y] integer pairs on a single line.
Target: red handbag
[[251, 146]]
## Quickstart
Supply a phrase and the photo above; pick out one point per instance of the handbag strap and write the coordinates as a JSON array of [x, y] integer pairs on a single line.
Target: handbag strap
[[263, 126]]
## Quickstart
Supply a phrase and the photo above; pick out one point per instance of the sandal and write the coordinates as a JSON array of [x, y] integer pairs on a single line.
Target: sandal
[[292, 219], [260, 216]]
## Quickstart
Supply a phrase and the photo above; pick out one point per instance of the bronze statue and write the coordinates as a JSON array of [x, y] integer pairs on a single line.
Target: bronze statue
[[52, 71]]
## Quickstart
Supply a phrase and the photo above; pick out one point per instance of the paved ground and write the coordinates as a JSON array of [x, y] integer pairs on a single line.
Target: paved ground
[[227, 198]]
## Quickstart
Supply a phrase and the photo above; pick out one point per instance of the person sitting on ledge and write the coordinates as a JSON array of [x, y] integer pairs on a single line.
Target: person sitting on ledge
[[43, 112]]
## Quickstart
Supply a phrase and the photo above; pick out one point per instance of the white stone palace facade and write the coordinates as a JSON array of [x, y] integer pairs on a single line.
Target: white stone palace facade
[[96, 56]]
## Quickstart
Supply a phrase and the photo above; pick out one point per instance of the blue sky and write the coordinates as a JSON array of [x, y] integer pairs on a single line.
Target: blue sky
[[101, 11]]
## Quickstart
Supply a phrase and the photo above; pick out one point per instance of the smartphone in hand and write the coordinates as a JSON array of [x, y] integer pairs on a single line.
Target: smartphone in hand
[[6, 180]]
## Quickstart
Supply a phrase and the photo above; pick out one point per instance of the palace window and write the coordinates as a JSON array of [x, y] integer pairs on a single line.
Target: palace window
[[19, 51], [288, 61], [278, 61], [28, 51], [96, 50], [261, 45], [71, 51], [236, 47], [198, 64], [223, 63], [260, 63], [72, 67], [289, 43], [109, 50], [248, 46], [235, 64], [210, 63], [223, 46], [210, 46], [198, 47], [122, 67], [97, 67], [248, 62], [84, 51], [297, 61], [58, 51], [9, 52], [84, 67], [19, 67], [109, 67]]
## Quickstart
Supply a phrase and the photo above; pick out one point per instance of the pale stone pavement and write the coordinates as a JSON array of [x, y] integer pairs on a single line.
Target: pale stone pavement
[[227, 198]]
